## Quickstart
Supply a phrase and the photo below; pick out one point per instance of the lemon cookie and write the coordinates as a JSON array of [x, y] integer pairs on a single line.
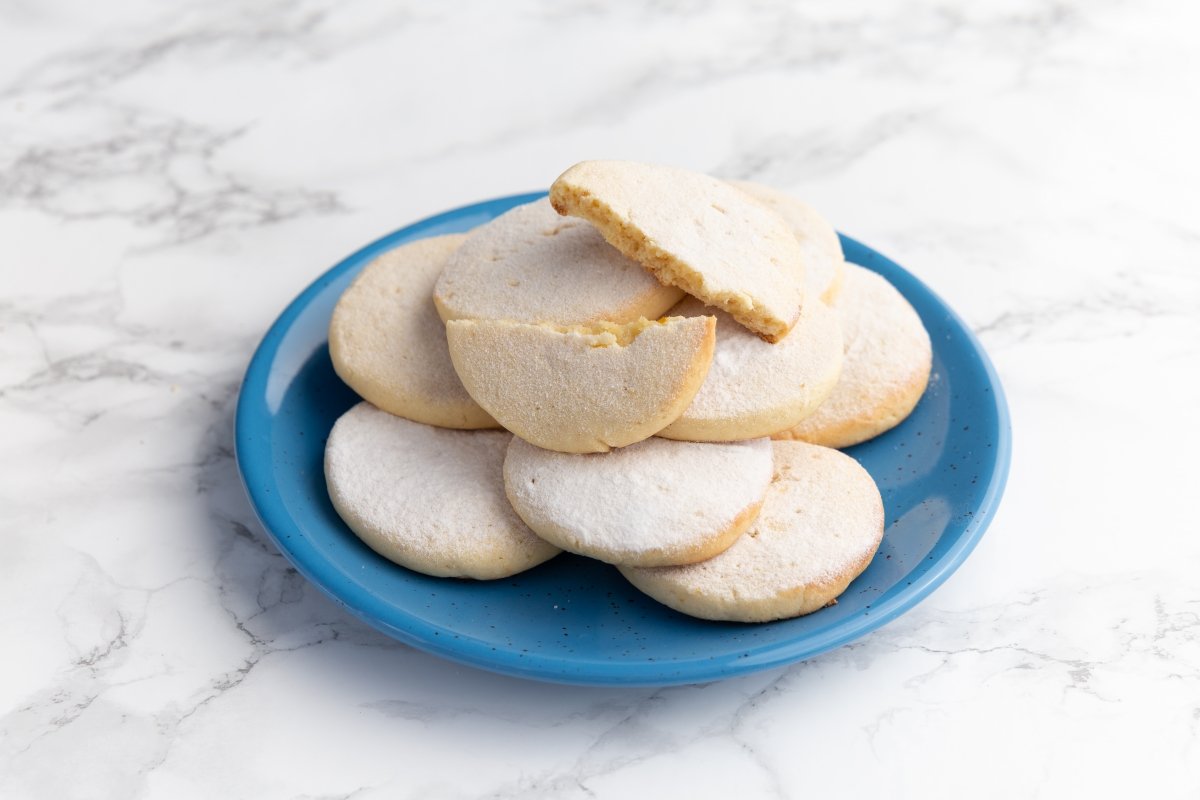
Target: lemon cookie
[[755, 388], [532, 265], [695, 232], [427, 498], [885, 367], [651, 504], [824, 262], [818, 529], [388, 343], [583, 389]]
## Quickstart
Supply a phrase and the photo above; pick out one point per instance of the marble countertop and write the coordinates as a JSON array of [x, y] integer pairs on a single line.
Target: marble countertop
[[171, 175]]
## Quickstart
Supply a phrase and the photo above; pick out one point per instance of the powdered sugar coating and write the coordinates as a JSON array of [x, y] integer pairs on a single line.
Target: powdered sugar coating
[[695, 232], [824, 262], [755, 388], [821, 523], [531, 265], [885, 367], [582, 390], [388, 343], [430, 499], [652, 503]]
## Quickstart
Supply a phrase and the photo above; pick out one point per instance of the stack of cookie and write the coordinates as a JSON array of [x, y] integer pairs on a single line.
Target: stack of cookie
[[671, 360]]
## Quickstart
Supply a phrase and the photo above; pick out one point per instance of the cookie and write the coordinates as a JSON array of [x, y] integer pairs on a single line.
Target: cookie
[[427, 498], [388, 343], [755, 388], [818, 529], [824, 262], [695, 232], [885, 366], [654, 503], [583, 389], [532, 265]]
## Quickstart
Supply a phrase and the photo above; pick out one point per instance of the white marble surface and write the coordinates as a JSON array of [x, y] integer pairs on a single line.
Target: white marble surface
[[171, 174]]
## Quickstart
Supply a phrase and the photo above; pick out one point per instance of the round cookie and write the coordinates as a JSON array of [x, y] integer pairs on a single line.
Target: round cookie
[[755, 388], [824, 262], [388, 343], [583, 389], [531, 265], [427, 498], [652, 504], [695, 232], [885, 367], [818, 529]]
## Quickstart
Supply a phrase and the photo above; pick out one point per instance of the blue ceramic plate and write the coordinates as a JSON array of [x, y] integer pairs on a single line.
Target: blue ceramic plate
[[574, 620]]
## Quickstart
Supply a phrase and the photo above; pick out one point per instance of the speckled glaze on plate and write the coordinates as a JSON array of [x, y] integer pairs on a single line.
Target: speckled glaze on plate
[[574, 620]]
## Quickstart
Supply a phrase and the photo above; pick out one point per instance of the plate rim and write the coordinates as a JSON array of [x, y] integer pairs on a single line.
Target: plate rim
[[255, 469]]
